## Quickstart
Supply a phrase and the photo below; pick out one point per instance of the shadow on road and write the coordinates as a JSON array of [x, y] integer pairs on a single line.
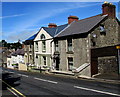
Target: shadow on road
[[10, 80]]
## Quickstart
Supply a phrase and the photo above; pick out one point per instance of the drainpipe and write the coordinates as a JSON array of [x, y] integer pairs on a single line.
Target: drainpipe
[[51, 53]]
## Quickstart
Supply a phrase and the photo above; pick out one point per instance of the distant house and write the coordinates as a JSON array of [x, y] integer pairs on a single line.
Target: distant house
[[44, 46], [15, 58], [29, 50], [3, 55], [88, 46]]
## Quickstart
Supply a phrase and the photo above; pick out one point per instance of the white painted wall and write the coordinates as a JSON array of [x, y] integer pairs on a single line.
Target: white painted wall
[[14, 60], [40, 53]]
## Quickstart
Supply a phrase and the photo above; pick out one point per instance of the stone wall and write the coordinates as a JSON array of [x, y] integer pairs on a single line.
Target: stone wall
[[29, 52], [111, 35], [107, 65]]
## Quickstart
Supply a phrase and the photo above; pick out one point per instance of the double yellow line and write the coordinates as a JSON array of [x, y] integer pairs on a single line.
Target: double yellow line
[[14, 89]]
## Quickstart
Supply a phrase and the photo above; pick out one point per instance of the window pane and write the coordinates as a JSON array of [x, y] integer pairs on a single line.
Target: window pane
[[42, 36], [70, 63], [36, 45], [43, 45], [69, 42], [44, 59], [56, 45]]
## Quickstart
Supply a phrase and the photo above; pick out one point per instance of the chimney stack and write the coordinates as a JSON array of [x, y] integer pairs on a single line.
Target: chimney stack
[[109, 9], [72, 18], [52, 25], [23, 46]]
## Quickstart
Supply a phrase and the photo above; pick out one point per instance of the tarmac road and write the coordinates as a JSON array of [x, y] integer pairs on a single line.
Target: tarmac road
[[41, 85]]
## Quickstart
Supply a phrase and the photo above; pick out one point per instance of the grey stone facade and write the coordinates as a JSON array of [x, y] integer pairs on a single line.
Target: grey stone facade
[[80, 54], [109, 38], [107, 65], [82, 48], [29, 53]]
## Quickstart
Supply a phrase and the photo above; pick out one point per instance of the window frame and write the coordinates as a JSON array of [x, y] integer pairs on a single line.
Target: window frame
[[56, 45], [69, 45], [44, 60], [70, 63], [43, 45], [42, 37], [36, 45]]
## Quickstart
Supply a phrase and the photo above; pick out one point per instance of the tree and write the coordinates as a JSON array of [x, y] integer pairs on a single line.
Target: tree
[[3, 43]]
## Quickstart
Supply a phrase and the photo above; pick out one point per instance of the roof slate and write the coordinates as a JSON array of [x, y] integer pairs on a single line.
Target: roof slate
[[18, 52], [81, 26], [32, 37], [54, 31]]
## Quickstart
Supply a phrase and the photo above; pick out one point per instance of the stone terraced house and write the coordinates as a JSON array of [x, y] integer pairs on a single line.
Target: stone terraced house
[[29, 51], [87, 47]]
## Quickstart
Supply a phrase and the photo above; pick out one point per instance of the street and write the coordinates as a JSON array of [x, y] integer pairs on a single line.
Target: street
[[37, 84]]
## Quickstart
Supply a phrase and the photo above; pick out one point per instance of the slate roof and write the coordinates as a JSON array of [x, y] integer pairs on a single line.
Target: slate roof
[[32, 37], [17, 52], [54, 31], [81, 26]]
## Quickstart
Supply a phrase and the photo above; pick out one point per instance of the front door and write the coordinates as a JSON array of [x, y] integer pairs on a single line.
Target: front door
[[94, 66], [57, 63]]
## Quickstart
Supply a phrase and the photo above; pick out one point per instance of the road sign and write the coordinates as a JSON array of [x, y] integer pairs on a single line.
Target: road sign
[[117, 47]]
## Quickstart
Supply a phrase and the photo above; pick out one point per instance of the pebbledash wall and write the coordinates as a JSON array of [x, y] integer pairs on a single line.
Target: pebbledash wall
[[80, 54]]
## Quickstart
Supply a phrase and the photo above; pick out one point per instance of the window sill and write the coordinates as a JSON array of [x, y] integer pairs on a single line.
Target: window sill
[[43, 50], [56, 52], [70, 52]]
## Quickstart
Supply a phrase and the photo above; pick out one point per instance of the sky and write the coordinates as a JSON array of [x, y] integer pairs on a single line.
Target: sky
[[20, 20]]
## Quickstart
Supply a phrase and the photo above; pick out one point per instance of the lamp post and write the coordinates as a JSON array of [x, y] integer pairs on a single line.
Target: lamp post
[[118, 48]]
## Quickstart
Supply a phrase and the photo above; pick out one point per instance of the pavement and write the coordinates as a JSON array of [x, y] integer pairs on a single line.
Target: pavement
[[107, 78]]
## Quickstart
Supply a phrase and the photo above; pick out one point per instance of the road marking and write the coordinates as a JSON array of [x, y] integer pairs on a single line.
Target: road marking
[[45, 80], [19, 74], [5, 70], [12, 92], [11, 72], [23, 75], [97, 91], [14, 89]]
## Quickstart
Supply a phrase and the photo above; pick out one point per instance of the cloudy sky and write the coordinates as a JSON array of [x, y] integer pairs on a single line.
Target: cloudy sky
[[20, 20]]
